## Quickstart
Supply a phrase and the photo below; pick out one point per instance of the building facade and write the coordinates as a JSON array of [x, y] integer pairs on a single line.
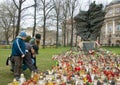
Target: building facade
[[110, 32]]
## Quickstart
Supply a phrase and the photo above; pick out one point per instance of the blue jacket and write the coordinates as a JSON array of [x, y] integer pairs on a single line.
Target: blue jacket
[[18, 47]]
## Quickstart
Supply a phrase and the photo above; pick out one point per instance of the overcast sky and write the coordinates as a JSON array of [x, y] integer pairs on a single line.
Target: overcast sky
[[85, 2], [84, 6]]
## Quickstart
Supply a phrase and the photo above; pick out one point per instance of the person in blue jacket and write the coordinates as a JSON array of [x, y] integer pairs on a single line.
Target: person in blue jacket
[[18, 53]]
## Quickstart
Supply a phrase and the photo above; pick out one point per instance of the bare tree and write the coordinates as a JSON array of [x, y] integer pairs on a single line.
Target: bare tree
[[57, 4], [65, 8], [12, 11], [46, 7], [20, 8], [6, 17], [72, 5]]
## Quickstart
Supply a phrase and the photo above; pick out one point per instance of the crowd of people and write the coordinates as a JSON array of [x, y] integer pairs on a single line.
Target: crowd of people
[[23, 55]]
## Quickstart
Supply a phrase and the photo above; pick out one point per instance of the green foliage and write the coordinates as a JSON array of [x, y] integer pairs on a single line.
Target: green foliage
[[88, 23]]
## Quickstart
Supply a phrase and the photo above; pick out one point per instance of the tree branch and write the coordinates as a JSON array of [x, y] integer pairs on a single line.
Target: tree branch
[[42, 1], [49, 10], [23, 1], [27, 7], [47, 4], [15, 4]]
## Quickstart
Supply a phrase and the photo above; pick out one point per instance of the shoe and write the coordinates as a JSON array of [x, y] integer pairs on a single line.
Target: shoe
[[17, 78], [11, 70], [37, 71], [35, 67]]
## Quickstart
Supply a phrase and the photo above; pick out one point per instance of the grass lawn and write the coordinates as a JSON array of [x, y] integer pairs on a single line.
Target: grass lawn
[[44, 62], [115, 50]]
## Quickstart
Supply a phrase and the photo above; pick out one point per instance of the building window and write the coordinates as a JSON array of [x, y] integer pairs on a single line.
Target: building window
[[110, 12], [117, 10], [109, 28], [118, 27]]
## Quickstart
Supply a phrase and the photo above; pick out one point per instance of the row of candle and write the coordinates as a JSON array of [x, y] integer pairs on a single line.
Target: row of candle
[[76, 68]]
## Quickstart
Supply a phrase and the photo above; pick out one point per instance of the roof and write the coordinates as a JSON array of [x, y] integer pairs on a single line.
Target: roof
[[114, 2]]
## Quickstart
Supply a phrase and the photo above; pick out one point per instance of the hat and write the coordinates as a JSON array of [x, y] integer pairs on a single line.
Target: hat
[[38, 36], [23, 34], [32, 41]]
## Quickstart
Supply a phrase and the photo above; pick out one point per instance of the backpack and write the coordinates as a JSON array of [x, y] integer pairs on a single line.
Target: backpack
[[9, 60]]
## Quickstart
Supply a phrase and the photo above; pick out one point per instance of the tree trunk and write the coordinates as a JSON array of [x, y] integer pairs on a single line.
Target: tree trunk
[[44, 33], [76, 40], [13, 29], [19, 19], [67, 38], [34, 27], [72, 28], [18, 25], [64, 34], [7, 37], [71, 42], [44, 26], [57, 33]]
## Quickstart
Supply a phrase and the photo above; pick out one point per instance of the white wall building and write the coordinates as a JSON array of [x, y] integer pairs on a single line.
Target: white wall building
[[110, 32]]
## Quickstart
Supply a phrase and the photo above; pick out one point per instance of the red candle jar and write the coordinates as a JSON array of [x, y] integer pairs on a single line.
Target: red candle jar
[[89, 78], [77, 68]]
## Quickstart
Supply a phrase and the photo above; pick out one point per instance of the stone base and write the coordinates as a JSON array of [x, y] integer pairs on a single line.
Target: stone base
[[88, 45]]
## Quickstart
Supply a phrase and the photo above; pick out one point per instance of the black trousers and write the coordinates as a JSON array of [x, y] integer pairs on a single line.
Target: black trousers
[[28, 61]]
